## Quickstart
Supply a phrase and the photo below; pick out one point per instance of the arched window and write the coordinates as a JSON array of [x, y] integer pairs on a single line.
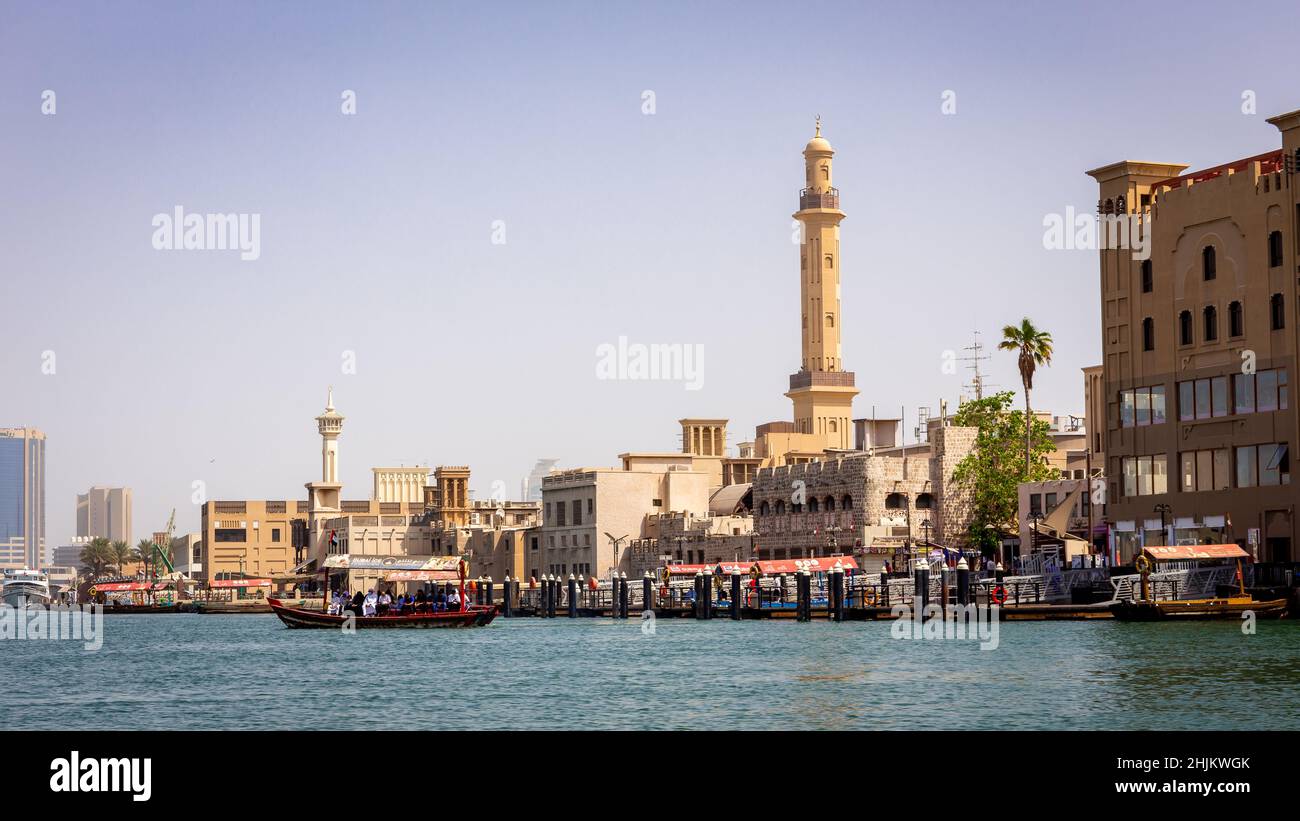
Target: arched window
[[764, 508], [925, 502], [1148, 334], [780, 507], [1147, 281], [813, 505], [1276, 312], [830, 320], [847, 502], [830, 503], [1211, 323], [1275, 249], [1236, 322], [895, 501], [832, 426], [1185, 328], [1209, 266]]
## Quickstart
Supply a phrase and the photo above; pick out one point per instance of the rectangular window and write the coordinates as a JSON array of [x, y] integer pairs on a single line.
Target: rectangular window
[[1243, 385], [1145, 475], [1158, 405], [559, 514], [1126, 409], [1266, 391], [1204, 470], [1049, 502], [577, 511], [1247, 466], [591, 504], [1130, 476], [1187, 463], [1222, 469], [1186, 405], [275, 534], [1202, 399], [1142, 406], [1035, 504], [230, 534], [1219, 395], [1274, 465]]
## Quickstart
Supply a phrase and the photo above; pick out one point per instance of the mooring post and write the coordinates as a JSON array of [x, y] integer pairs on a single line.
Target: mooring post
[[735, 594], [647, 592], [921, 594], [554, 600], [505, 597], [622, 594], [699, 580], [707, 584], [963, 581], [837, 590], [573, 596], [802, 594]]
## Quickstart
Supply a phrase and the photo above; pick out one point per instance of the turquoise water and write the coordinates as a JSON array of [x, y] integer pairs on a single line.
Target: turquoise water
[[211, 672]]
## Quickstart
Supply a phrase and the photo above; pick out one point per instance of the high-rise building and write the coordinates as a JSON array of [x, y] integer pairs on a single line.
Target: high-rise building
[[1199, 343], [22, 497], [105, 513]]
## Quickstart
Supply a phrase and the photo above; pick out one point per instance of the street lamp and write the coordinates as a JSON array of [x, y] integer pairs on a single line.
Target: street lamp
[[925, 526], [615, 542], [1164, 510], [1034, 519]]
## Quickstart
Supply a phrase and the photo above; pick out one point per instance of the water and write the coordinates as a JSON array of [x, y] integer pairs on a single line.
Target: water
[[192, 671]]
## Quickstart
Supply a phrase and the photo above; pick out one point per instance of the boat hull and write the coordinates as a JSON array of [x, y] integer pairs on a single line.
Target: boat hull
[[1198, 609], [297, 618]]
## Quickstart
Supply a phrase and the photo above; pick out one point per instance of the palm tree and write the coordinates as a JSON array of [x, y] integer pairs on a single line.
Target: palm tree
[[144, 553], [96, 555], [121, 555], [1035, 348]]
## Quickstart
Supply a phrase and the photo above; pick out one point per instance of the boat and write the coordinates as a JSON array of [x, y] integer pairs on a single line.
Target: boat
[[20, 588], [475, 615], [1231, 607]]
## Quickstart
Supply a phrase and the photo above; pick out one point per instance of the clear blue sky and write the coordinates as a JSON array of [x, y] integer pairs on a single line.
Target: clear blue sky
[[671, 228]]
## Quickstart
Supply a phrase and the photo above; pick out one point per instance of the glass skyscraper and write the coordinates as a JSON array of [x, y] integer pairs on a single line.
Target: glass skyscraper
[[22, 497]]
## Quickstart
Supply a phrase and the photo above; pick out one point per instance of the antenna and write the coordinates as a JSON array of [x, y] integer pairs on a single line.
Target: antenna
[[922, 431], [977, 355]]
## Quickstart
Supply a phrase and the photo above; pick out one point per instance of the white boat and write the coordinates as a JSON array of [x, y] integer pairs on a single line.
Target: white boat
[[19, 588]]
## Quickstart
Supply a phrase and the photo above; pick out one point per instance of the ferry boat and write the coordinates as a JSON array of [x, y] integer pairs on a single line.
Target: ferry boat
[[19, 588], [475, 615]]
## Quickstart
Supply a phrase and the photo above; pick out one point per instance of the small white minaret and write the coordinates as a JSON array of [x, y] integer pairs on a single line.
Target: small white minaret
[[330, 425]]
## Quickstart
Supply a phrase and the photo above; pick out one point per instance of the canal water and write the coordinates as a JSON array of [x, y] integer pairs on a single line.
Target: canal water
[[193, 671]]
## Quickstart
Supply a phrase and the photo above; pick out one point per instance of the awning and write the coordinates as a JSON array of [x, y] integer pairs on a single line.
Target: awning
[[1186, 552], [308, 566], [820, 565], [126, 587], [347, 561], [688, 569], [223, 583], [422, 576]]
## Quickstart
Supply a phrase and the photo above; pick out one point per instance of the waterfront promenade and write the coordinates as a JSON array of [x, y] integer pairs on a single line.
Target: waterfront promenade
[[205, 672]]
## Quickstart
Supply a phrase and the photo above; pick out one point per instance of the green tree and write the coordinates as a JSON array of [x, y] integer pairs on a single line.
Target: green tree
[[144, 553], [994, 468], [122, 554], [96, 556], [1035, 348]]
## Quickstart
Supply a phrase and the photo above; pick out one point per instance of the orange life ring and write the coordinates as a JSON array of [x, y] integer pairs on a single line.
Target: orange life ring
[[592, 584], [998, 594]]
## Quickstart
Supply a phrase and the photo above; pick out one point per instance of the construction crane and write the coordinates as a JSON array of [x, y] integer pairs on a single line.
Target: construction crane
[[158, 549]]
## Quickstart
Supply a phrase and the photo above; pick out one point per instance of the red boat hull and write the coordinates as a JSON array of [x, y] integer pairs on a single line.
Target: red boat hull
[[297, 618]]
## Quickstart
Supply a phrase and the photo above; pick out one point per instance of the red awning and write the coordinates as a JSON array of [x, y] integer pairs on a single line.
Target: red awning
[[125, 587], [820, 565], [688, 569], [725, 568], [422, 576], [1186, 552], [240, 583]]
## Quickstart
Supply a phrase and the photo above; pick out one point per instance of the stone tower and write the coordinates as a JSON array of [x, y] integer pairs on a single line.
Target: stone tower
[[822, 391]]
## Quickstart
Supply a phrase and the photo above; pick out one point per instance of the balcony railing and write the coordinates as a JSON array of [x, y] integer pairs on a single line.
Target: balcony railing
[[809, 199], [833, 379]]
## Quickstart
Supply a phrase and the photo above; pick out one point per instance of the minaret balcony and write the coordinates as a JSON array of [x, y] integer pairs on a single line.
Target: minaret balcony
[[818, 379], [812, 199]]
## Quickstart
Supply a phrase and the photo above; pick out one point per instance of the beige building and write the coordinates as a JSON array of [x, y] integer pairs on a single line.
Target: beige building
[[448, 497], [105, 513], [1199, 347], [400, 484]]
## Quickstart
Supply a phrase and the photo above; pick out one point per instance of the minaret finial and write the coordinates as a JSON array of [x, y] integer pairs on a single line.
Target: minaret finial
[[819, 126], [329, 400]]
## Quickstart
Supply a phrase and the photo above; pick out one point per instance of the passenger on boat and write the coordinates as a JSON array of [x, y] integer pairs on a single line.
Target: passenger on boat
[[369, 603], [453, 600], [358, 601], [439, 600], [408, 603], [421, 601], [385, 604]]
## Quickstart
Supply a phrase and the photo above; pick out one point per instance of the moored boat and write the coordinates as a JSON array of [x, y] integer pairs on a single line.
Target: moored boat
[[1194, 609], [297, 617], [20, 588]]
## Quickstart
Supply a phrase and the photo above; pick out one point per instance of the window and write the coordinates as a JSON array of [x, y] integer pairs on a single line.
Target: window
[[1185, 328], [1211, 323], [1266, 391], [1203, 398], [764, 508], [925, 501], [1274, 465], [847, 502], [1145, 475], [1219, 395], [230, 534], [780, 507], [577, 511], [275, 534], [1146, 276], [1148, 334], [1247, 466], [813, 505], [1275, 249], [1035, 504], [1205, 470], [1236, 323], [559, 514], [830, 503], [1276, 314], [591, 506], [1142, 406], [1209, 267], [1186, 402], [1260, 392], [895, 501], [548, 512]]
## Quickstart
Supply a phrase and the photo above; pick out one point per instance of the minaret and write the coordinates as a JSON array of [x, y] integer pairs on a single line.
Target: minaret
[[323, 496], [822, 391]]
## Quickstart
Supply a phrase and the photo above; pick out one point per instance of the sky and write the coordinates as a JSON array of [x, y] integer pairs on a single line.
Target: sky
[[503, 201]]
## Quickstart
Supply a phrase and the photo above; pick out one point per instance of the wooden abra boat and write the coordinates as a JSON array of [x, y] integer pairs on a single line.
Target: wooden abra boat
[[1187, 609], [475, 615]]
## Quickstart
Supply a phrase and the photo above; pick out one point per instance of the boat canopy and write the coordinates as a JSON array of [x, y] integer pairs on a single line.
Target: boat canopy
[[223, 583], [348, 561], [421, 576], [126, 587], [1191, 552], [819, 565]]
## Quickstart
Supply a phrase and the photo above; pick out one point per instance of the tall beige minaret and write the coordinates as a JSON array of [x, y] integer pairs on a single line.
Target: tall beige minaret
[[822, 391], [323, 496], [330, 425]]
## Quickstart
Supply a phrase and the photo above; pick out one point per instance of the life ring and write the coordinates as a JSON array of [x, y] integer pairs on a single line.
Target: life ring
[[663, 575], [869, 596], [1142, 564], [592, 584], [998, 595]]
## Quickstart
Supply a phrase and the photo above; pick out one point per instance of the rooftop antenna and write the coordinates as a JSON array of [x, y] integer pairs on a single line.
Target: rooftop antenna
[[977, 355]]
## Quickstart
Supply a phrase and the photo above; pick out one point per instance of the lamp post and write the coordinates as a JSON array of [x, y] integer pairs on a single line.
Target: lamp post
[[1034, 519], [925, 527], [615, 542], [1165, 511]]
